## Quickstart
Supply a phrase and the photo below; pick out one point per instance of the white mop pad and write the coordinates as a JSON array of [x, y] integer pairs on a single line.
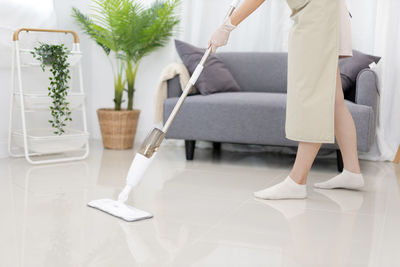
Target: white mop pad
[[120, 210]]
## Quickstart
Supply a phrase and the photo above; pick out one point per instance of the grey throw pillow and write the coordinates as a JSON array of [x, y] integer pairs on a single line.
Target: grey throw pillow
[[351, 66], [215, 78]]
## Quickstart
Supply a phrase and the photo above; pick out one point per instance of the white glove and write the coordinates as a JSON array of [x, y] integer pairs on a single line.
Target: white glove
[[221, 36]]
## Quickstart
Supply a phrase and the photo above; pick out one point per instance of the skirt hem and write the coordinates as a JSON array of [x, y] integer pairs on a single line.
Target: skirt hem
[[330, 141]]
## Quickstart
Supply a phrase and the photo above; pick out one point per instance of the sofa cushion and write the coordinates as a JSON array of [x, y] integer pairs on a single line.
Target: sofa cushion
[[247, 118], [257, 71], [215, 77], [350, 67]]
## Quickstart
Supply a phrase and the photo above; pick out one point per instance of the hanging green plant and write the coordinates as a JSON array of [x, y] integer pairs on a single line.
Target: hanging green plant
[[55, 56]]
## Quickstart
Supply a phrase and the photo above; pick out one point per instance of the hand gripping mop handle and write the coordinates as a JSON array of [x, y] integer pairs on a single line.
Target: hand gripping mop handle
[[195, 76]]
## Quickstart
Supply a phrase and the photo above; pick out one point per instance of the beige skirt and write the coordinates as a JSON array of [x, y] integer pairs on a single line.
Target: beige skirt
[[320, 34], [345, 45]]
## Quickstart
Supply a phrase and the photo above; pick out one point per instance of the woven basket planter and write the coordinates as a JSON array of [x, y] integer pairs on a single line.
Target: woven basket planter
[[118, 128]]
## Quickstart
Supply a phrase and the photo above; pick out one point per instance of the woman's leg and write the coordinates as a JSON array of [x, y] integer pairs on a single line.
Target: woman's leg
[[294, 186], [306, 153], [346, 137], [345, 131]]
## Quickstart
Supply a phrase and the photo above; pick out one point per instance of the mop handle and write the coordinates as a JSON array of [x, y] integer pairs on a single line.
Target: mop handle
[[194, 77]]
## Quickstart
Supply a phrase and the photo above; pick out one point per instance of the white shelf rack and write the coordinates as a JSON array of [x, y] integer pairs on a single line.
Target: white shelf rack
[[37, 144]]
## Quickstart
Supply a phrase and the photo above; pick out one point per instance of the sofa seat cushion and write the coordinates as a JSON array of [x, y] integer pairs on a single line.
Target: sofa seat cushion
[[238, 117], [247, 118]]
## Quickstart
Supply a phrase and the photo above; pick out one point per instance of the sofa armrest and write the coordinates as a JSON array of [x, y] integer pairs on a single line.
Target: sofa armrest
[[174, 87], [367, 92]]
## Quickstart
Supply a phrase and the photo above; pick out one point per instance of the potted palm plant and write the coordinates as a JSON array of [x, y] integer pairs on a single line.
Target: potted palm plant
[[127, 32]]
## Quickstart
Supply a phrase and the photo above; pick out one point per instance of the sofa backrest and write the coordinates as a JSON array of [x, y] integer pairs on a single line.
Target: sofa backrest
[[257, 71]]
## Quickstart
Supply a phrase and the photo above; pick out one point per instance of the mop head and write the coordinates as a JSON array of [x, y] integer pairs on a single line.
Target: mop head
[[117, 208], [120, 210]]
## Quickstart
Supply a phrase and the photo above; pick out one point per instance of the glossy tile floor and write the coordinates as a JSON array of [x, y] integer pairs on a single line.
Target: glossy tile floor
[[205, 214]]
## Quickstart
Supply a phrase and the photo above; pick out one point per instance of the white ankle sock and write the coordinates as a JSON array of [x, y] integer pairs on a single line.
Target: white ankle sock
[[287, 189], [346, 179]]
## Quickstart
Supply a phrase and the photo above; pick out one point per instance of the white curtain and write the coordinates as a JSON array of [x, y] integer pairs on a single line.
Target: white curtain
[[265, 30], [15, 14], [375, 28], [386, 43]]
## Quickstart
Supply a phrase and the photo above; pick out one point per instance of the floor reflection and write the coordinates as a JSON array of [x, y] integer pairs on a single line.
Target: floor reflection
[[49, 211], [205, 214]]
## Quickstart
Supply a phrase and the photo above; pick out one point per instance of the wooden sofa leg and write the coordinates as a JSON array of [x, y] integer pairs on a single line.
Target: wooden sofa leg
[[189, 147], [339, 160]]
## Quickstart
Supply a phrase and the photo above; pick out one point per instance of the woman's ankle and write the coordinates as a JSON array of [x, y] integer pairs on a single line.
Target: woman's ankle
[[352, 169], [299, 179]]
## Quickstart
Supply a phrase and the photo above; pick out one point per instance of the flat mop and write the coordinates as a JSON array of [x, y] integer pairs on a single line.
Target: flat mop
[[147, 152]]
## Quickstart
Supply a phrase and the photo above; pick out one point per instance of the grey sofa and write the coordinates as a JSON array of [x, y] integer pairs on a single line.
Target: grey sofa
[[256, 115]]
